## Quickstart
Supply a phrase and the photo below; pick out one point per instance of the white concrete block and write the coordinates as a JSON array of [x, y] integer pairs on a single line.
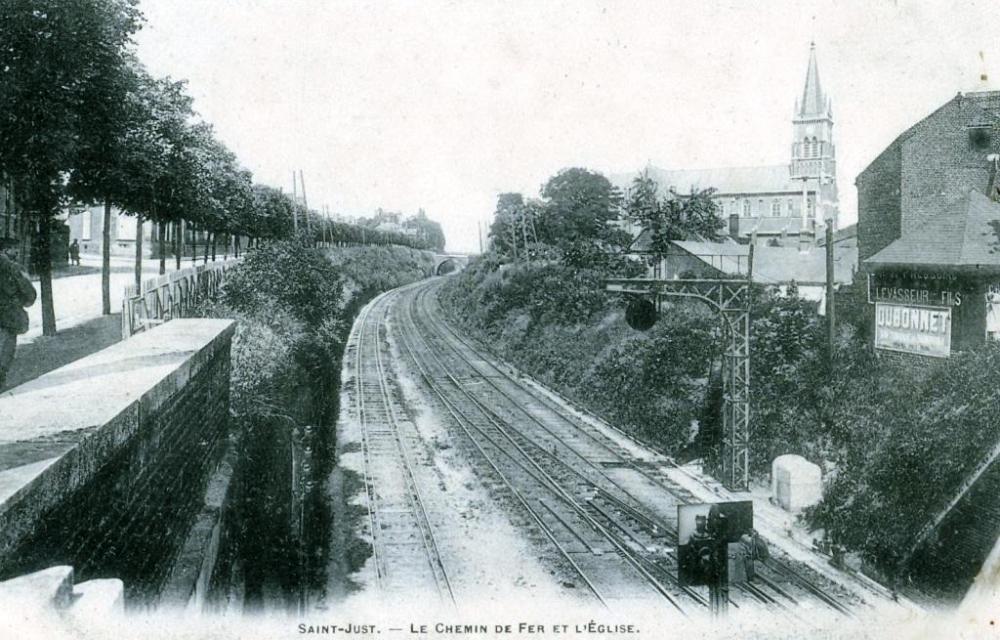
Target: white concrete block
[[796, 483]]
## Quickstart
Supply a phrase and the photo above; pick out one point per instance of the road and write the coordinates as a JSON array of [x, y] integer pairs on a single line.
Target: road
[[593, 512], [77, 299]]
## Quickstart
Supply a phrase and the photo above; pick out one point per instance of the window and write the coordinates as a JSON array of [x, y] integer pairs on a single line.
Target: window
[[746, 208], [790, 207], [760, 207], [85, 222], [126, 227], [980, 137], [776, 208], [807, 149], [811, 208], [993, 315]]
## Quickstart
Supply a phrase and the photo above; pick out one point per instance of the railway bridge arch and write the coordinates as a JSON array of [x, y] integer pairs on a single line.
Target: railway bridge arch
[[449, 263]]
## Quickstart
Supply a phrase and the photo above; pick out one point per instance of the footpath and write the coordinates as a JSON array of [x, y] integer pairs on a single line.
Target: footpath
[[82, 329]]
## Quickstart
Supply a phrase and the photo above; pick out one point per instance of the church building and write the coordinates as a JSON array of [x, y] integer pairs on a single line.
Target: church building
[[781, 204]]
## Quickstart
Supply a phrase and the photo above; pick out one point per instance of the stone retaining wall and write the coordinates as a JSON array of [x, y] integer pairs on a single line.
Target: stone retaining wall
[[104, 463]]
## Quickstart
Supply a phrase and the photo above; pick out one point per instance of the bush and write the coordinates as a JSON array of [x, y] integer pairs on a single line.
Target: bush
[[896, 436], [377, 268], [904, 443], [288, 275], [294, 306], [559, 324]]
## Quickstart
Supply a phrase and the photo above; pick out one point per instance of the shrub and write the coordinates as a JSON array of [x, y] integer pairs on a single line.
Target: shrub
[[289, 275], [896, 436]]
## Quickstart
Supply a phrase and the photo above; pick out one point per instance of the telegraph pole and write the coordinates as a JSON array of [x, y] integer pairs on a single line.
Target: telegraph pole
[[305, 202], [295, 202], [831, 326]]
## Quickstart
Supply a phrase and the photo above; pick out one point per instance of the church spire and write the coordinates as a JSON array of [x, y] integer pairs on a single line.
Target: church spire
[[813, 101]]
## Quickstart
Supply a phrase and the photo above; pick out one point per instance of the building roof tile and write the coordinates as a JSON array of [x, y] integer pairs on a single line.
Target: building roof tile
[[771, 265], [967, 235]]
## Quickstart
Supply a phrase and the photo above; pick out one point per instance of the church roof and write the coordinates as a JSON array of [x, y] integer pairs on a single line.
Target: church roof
[[966, 235], [813, 101], [725, 180]]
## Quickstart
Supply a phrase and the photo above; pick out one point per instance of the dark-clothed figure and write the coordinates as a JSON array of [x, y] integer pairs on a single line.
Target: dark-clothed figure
[[16, 293], [74, 253]]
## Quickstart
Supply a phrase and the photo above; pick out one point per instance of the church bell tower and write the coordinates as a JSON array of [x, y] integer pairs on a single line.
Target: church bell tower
[[813, 153]]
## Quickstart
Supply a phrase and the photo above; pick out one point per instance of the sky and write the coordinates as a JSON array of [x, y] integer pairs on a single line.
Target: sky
[[442, 105]]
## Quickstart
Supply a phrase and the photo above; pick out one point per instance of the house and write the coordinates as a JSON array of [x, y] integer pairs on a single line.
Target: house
[[776, 267], [86, 226], [929, 231]]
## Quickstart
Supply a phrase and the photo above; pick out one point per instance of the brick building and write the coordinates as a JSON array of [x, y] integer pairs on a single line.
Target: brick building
[[929, 230], [781, 203]]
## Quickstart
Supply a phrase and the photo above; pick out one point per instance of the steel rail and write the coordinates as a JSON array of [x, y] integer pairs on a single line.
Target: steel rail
[[414, 499], [601, 440], [464, 423], [498, 424], [430, 543]]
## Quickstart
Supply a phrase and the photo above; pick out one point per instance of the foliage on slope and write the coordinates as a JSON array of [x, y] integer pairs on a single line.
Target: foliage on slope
[[557, 323], [295, 305], [895, 436]]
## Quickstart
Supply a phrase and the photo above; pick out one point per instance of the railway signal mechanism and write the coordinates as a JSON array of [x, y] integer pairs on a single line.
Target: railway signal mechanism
[[730, 297]]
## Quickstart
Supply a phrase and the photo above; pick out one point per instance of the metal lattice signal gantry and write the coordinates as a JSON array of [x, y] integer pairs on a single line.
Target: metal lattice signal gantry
[[731, 299]]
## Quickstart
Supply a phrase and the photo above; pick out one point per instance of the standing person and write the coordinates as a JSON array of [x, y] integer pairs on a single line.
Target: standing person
[[74, 253], [16, 293]]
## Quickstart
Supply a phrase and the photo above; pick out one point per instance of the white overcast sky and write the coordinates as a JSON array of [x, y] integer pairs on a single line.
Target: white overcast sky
[[442, 105]]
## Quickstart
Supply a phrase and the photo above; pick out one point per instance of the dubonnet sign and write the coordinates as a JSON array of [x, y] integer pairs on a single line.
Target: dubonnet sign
[[923, 331]]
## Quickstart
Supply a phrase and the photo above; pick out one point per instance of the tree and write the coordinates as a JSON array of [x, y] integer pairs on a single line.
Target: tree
[[504, 229], [428, 232], [581, 206], [52, 62], [673, 216], [161, 168], [221, 187], [273, 212], [111, 154]]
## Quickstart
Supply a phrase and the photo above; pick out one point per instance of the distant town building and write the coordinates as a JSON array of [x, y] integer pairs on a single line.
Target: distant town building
[[929, 230], [775, 267], [86, 226], [782, 203]]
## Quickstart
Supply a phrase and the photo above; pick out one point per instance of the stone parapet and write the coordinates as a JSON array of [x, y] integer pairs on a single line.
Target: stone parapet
[[104, 462]]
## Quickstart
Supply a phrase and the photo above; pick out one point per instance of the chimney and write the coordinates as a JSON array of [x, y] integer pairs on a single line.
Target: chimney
[[734, 226]]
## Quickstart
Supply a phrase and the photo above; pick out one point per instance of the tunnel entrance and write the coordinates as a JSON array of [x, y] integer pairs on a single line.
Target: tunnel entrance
[[447, 266]]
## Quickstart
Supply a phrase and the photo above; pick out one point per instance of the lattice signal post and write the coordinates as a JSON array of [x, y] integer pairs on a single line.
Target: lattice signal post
[[731, 299]]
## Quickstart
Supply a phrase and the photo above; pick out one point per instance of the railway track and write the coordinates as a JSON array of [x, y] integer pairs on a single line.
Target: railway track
[[406, 555], [602, 559], [583, 459]]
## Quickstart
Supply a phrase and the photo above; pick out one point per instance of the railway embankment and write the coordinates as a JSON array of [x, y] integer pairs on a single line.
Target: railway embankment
[[895, 437], [294, 306]]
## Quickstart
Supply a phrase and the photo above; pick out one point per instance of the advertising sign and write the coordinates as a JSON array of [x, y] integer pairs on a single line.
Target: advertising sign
[[914, 288], [924, 331]]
